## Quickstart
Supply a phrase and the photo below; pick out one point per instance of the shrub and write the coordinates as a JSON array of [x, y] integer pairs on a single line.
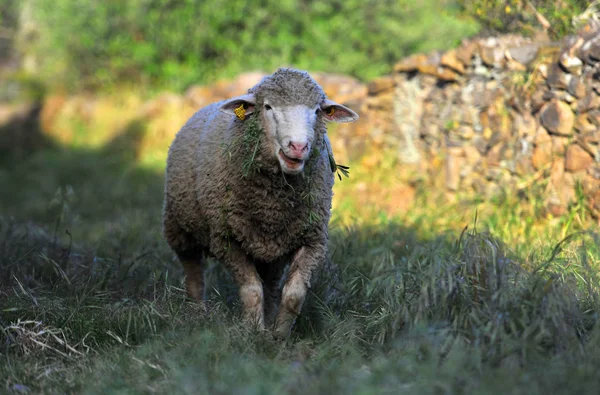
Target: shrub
[[501, 16], [176, 43]]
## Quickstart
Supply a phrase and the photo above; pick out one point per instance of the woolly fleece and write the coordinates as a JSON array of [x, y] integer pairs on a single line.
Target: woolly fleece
[[263, 219]]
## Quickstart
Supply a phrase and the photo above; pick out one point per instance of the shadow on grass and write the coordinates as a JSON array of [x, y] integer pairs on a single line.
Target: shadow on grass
[[93, 211], [84, 269]]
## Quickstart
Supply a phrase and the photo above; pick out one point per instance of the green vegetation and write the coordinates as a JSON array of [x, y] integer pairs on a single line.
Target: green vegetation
[[91, 297], [163, 44], [168, 44], [527, 16]]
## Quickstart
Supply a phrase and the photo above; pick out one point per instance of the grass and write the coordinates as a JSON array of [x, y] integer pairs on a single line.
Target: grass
[[469, 297]]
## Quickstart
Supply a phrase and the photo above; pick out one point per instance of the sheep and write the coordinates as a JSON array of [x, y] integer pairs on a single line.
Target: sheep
[[249, 182]]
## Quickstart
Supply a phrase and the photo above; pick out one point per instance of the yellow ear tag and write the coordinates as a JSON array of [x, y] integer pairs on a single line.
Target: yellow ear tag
[[330, 111], [240, 112]]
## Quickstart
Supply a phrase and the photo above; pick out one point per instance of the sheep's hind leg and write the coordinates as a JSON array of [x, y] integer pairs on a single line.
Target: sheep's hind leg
[[194, 276], [189, 253]]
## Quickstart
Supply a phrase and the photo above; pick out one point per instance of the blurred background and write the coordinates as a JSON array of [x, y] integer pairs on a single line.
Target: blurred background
[[151, 45], [123, 76], [475, 114]]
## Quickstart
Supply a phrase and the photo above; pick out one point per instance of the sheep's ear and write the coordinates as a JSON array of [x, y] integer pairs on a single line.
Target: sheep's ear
[[334, 112], [240, 106]]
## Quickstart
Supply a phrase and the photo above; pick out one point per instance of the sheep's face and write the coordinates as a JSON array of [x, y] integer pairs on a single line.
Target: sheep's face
[[290, 132], [291, 129]]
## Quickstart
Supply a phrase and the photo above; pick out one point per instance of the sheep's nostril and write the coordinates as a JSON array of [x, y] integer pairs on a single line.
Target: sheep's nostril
[[298, 148]]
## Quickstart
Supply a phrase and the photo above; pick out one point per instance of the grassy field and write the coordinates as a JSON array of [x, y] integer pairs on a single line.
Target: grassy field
[[469, 297]]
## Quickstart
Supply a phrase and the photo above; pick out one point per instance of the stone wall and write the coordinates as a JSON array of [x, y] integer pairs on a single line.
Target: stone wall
[[495, 114]]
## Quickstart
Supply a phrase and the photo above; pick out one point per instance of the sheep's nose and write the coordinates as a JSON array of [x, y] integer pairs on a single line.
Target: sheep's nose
[[297, 149]]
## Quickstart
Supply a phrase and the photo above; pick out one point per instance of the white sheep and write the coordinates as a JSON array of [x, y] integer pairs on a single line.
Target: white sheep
[[249, 181]]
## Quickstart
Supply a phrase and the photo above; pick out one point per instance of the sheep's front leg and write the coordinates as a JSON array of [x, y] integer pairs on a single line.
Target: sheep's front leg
[[245, 275], [304, 262]]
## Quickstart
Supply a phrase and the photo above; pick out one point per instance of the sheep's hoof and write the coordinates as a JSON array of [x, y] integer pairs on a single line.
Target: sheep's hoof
[[282, 329], [281, 335]]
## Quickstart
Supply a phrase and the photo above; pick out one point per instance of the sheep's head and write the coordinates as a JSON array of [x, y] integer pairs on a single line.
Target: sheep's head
[[292, 109]]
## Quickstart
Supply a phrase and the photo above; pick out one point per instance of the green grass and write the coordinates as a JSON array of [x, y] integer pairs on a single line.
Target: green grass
[[91, 299]]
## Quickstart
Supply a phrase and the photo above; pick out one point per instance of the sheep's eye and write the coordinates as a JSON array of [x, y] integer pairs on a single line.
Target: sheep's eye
[[330, 111], [268, 107]]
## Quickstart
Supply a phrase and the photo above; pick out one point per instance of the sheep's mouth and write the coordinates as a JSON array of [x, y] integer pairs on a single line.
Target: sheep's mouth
[[291, 163]]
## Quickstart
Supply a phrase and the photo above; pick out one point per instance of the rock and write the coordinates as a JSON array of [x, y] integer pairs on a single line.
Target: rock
[[383, 103], [450, 60], [571, 63], [524, 147], [446, 74], [594, 117], [454, 163], [566, 188], [198, 96], [524, 166], [557, 78], [524, 125], [568, 58], [542, 150], [480, 144], [549, 95], [588, 125], [465, 52], [341, 88], [589, 102], [411, 63], [154, 108], [524, 54], [559, 145], [594, 171], [541, 136], [576, 87], [556, 208], [583, 124], [493, 174], [381, 84], [563, 96], [491, 56], [542, 68], [577, 158], [247, 80], [590, 50], [466, 132], [557, 117], [590, 185], [496, 154], [591, 137], [537, 100], [472, 154], [542, 155], [561, 186]]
